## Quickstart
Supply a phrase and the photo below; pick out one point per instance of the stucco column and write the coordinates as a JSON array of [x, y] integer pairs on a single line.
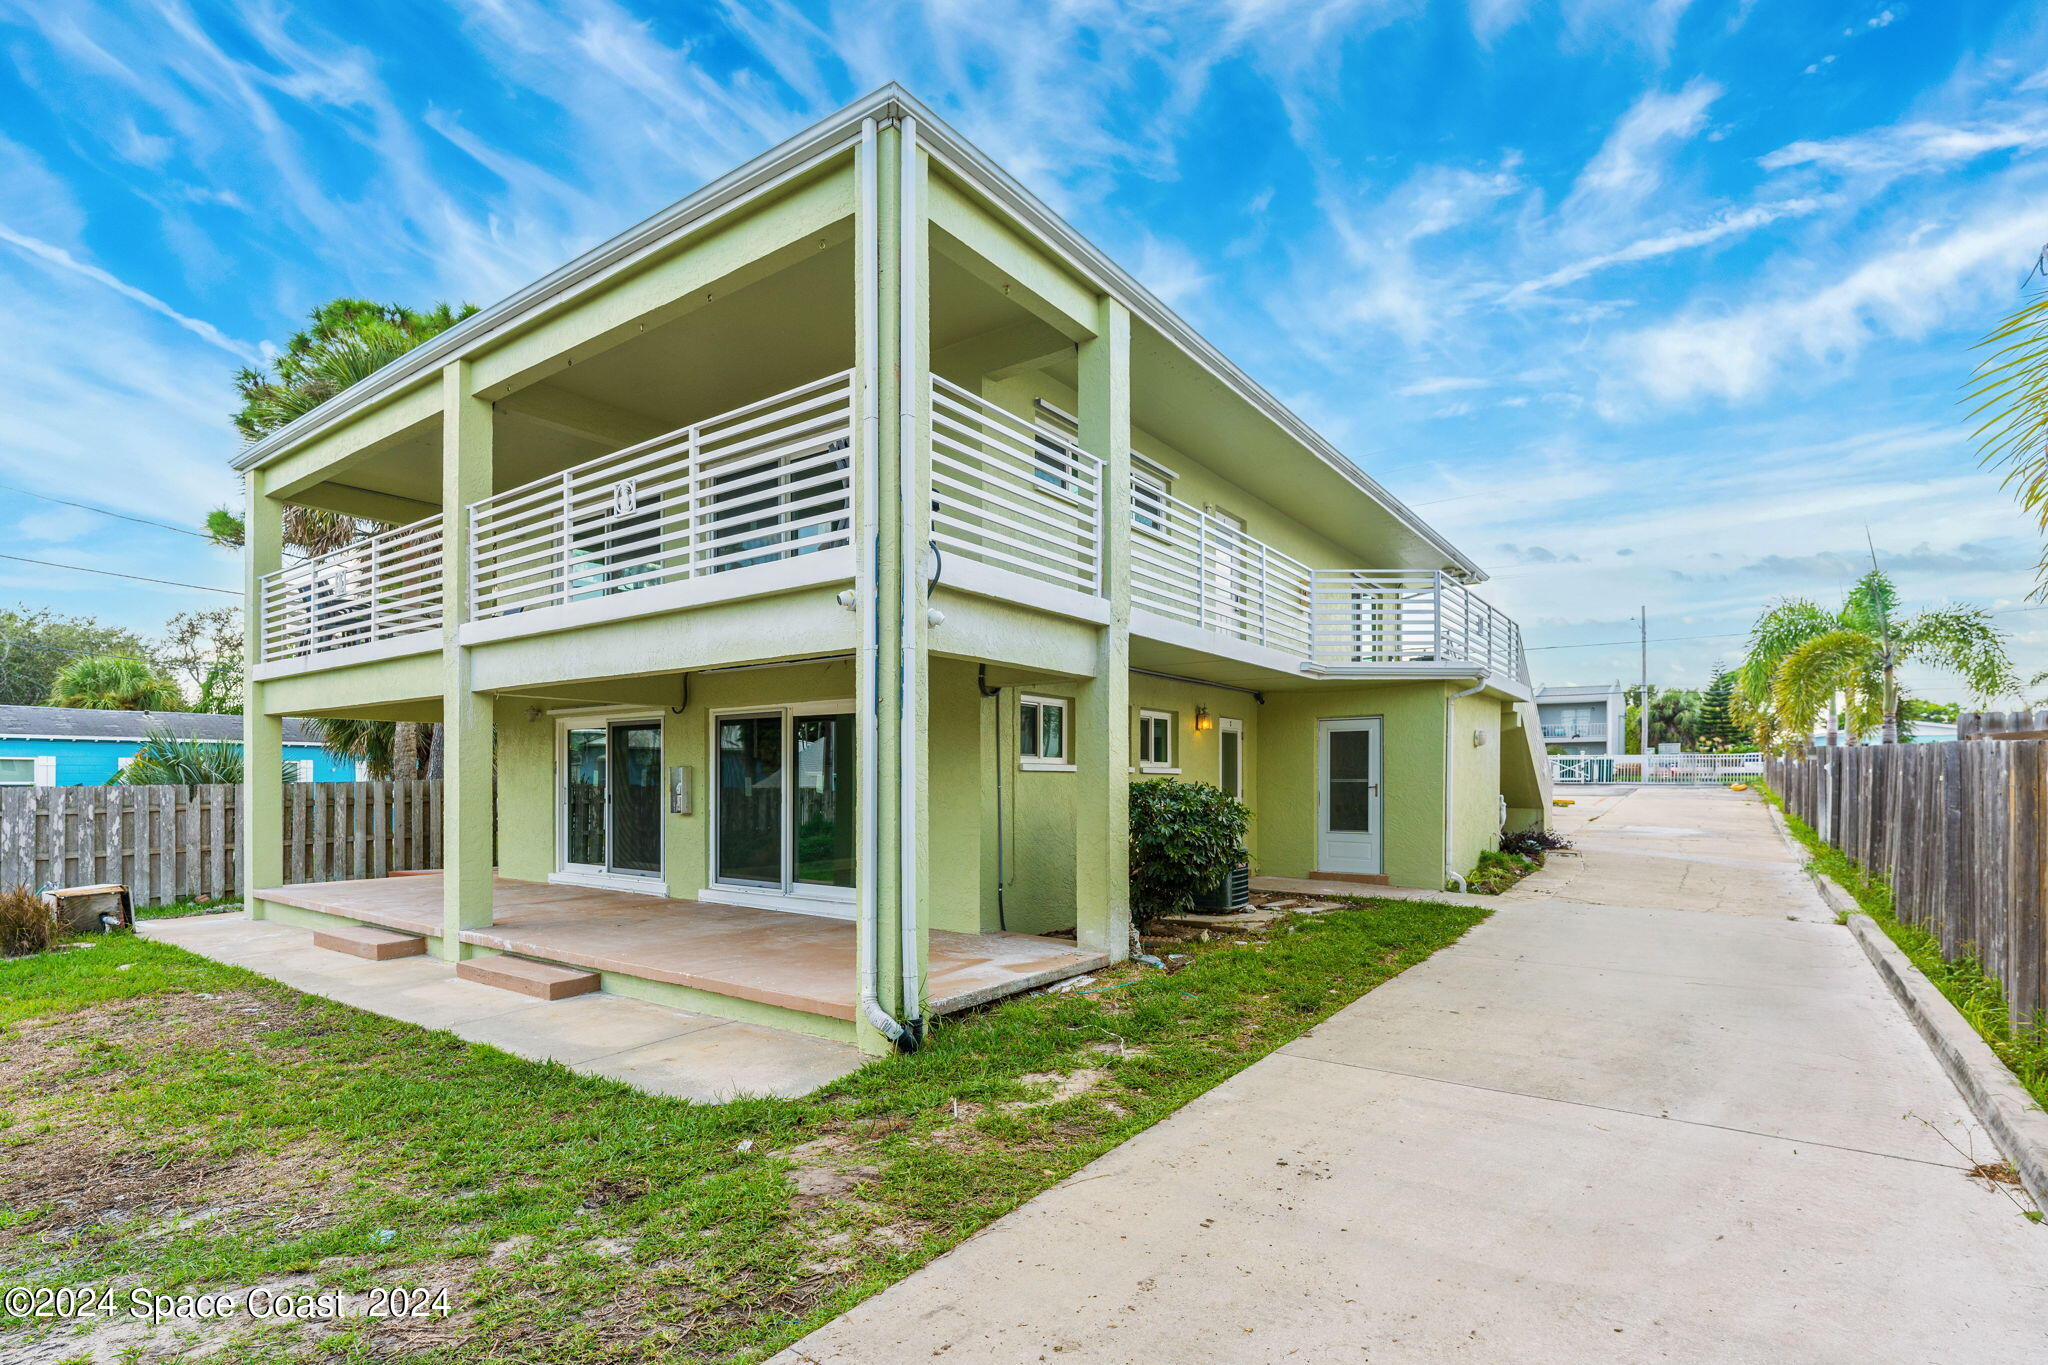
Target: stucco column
[[1102, 843], [466, 805], [894, 672], [262, 832]]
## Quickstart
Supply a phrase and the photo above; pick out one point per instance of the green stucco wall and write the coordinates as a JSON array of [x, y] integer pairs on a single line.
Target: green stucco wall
[[527, 754]]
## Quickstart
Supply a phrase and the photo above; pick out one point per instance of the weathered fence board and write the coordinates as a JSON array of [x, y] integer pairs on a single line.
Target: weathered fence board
[[176, 843], [1959, 830]]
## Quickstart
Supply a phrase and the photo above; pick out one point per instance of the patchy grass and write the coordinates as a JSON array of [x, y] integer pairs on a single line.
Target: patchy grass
[[1497, 871], [180, 1125], [1977, 997], [184, 908]]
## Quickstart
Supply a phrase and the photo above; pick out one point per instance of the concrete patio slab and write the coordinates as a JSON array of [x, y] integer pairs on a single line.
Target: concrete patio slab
[[663, 1051]]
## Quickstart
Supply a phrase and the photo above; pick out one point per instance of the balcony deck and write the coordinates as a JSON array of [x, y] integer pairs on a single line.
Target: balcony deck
[[772, 957]]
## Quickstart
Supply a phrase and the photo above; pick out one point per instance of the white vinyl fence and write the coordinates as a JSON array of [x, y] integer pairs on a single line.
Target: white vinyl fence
[[176, 843], [1672, 770]]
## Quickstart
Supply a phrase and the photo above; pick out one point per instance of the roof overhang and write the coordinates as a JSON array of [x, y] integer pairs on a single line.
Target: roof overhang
[[823, 140]]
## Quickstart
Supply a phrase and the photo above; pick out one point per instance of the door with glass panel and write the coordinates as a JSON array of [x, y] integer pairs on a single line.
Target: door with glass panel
[[1348, 795], [611, 798], [784, 802]]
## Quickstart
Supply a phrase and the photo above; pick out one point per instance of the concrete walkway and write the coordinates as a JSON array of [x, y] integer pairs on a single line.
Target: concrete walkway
[[666, 1051], [1658, 1107]]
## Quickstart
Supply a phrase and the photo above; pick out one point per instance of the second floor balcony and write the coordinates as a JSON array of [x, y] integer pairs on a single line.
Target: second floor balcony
[[739, 504]]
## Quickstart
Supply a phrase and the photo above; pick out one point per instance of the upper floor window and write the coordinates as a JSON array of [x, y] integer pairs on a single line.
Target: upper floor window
[[1151, 487]]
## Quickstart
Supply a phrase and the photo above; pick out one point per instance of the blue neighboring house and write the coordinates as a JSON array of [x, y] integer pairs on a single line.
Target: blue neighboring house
[[58, 746]]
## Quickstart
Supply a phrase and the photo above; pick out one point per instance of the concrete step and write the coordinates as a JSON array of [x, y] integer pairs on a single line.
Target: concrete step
[[1359, 878], [368, 941], [541, 980]]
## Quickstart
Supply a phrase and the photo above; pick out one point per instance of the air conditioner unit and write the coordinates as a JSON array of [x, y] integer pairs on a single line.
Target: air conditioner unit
[[1231, 891]]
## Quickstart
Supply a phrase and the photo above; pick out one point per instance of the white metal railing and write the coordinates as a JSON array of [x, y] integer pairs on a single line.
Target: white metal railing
[[1013, 495], [381, 587], [1411, 616], [1681, 770], [1203, 570], [762, 483]]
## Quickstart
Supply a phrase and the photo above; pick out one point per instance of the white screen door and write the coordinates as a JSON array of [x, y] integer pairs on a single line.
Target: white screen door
[[1348, 795]]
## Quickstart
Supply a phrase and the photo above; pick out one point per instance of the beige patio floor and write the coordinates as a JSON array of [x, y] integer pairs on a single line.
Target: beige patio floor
[[664, 1051]]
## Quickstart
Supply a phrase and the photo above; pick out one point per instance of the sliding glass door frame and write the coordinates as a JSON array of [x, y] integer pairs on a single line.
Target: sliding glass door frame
[[607, 873], [815, 897]]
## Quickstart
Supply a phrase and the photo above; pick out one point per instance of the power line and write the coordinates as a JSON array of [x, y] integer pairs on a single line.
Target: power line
[[109, 573], [106, 512]]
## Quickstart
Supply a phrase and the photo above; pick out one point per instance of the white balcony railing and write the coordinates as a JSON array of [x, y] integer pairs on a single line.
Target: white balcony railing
[[1012, 495], [1194, 567], [381, 587], [762, 483], [1204, 571]]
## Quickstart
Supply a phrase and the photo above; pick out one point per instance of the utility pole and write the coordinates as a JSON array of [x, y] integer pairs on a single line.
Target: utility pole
[[1643, 707]]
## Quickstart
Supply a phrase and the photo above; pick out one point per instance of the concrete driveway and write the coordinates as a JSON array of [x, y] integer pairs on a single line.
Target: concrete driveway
[[1658, 1107]]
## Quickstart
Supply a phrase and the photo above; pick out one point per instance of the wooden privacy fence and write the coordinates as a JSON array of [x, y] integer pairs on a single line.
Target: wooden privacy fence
[[173, 843], [1959, 830]]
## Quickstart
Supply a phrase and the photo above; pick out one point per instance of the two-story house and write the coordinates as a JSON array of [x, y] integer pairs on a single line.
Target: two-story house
[[1583, 720], [803, 576]]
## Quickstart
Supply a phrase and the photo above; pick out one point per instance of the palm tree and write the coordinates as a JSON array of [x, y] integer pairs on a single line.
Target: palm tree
[[2012, 405], [370, 742], [1857, 654], [348, 341], [163, 760], [114, 682]]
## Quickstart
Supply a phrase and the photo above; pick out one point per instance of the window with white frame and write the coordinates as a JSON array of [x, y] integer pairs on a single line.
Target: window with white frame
[[302, 769], [1151, 486], [1042, 732], [1230, 756], [28, 770], [1155, 742]]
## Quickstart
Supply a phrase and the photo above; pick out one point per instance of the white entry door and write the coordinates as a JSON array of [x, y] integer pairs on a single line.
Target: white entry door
[[1348, 795]]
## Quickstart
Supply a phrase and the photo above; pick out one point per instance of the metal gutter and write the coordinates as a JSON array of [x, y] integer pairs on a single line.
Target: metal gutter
[[829, 137]]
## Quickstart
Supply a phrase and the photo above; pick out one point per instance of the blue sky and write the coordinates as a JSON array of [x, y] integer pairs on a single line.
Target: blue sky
[[1694, 284]]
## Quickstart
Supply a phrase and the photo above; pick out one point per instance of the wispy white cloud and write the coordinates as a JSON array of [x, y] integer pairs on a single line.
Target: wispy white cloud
[[1631, 163], [1915, 146], [1731, 223], [1902, 290], [1447, 383], [63, 260]]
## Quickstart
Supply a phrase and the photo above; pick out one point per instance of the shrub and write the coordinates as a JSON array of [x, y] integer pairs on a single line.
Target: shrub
[[1533, 843], [1184, 837], [26, 924]]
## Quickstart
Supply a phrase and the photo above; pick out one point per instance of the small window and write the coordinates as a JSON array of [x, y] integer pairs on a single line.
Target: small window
[[301, 769], [1042, 732], [30, 771], [1155, 742], [1148, 501], [1230, 756]]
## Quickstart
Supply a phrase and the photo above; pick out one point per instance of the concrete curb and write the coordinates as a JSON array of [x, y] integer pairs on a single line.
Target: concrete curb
[[2008, 1112]]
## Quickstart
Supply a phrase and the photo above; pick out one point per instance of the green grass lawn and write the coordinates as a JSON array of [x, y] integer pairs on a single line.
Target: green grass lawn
[[181, 1125]]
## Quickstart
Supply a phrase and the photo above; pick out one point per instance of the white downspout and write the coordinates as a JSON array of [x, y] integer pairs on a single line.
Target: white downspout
[[912, 569], [1450, 704], [867, 765]]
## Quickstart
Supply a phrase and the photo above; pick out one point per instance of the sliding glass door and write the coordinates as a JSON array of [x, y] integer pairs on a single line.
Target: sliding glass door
[[784, 802], [611, 798]]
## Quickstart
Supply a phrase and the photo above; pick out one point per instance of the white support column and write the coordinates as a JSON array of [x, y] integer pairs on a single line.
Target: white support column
[[262, 833], [1102, 842], [467, 807]]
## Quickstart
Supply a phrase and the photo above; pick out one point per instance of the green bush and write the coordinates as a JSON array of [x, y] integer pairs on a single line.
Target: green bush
[[1184, 837]]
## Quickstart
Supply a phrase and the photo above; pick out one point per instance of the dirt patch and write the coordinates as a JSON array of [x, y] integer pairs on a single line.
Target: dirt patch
[[86, 1179], [1065, 1085]]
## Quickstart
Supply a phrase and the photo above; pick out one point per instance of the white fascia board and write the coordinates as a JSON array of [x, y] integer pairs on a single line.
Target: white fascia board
[[836, 133]]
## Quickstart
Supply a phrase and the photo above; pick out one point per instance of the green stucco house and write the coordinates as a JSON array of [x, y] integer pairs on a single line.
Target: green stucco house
[[803, 575]]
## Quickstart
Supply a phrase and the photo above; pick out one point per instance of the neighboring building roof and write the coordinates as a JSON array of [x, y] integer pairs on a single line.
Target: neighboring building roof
[[831, 135], [1588, 692], [67, 722]]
